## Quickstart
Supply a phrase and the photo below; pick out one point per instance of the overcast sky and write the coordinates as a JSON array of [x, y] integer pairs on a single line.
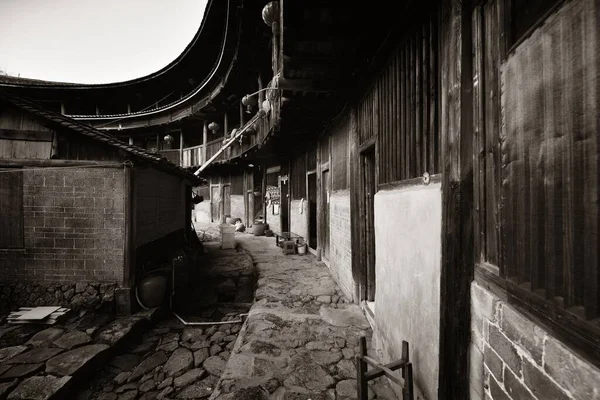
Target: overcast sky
[[94, 41]]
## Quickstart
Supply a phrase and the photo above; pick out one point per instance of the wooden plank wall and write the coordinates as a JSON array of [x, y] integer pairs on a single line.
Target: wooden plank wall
[[237, 184], [22, 135], [401, 109], [298, 177], [340, 154], [550, 175]]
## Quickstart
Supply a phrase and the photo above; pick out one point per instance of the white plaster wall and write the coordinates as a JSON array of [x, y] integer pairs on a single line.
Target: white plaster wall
[[340, 244], [408, 263], [238, 209], [202, 211], [299, 218]]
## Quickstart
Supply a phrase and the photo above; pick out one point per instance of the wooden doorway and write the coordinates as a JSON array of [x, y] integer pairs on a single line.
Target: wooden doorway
[[215, 199], [227, 201], [325, 192], [367, 224], [284, 210], [312, 210]]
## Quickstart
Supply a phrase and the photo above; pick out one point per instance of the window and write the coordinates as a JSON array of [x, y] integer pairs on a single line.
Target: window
[[536, 195], [11, 209], [524, 15]]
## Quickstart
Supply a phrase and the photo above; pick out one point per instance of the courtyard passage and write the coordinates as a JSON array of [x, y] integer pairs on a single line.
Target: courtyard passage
[[301, 335]]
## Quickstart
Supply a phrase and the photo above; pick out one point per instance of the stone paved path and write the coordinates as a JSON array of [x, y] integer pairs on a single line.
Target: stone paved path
[[301, 335]]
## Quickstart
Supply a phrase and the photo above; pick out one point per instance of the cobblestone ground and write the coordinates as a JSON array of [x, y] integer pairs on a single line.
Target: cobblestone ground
[[171, 361], [301, 336]]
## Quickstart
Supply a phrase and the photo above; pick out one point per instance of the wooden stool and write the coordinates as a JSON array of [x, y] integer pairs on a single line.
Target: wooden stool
[[289, 247]]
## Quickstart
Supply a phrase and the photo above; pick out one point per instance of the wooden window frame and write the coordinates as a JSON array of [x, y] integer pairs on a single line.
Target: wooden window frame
[[570, 326], [511, 43]]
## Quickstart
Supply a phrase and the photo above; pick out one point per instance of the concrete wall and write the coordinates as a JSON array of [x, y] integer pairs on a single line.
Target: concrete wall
[[299, 218], [513, 358], [73, 228], [238, 210], [340, 253], [407, 295]]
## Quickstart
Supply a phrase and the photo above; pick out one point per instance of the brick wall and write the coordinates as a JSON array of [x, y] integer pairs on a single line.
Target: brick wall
[[513, 358], [73, 228], [237, 207], [340, 253], [299, 218]]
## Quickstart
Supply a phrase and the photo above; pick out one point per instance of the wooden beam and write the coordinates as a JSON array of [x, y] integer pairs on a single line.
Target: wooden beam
[[26, 135], [20, 162]]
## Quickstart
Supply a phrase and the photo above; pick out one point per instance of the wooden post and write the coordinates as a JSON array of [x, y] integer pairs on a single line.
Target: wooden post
[[204, 141], [361, 369], [129, 242], [457, 197], [130, 140], [157, 142], [180, 147]]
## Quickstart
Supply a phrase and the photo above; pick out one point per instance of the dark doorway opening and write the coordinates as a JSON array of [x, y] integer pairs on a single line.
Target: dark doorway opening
[[367, 232], [312, 210]]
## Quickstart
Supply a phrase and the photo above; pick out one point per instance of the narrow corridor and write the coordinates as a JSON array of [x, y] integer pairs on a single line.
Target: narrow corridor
[[301, 334]]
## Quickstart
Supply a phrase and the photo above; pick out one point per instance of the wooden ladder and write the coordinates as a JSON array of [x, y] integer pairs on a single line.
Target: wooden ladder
[[364, 376]]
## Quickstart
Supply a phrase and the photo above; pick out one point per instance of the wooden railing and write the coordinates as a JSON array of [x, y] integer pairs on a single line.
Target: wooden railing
[[193, 156]]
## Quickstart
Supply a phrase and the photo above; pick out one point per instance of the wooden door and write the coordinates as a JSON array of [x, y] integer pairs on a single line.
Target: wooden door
[[215, 199], [312, 210], [326, 191], [227, 201], [367, 208]]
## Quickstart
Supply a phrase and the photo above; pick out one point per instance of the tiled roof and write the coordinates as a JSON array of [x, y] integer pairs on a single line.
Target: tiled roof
[[93, 133]]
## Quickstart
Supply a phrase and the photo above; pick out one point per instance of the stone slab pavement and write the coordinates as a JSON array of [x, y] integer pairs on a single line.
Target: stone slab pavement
[[301, 335]]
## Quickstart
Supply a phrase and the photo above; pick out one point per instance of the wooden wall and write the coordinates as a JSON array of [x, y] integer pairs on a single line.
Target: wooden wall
[[159, 204], [550, 175], [22, 136], [402, 106], [340, 154]]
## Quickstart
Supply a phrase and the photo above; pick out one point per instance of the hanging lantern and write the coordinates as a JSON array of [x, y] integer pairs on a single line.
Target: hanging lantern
[[270, 13], [214, 127], [249, 101], [168, 139]]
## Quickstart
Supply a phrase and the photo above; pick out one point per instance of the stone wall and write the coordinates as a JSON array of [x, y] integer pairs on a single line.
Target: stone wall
[[513, 358], [75, 296], [340, 253], [73, 228], [299, 218]]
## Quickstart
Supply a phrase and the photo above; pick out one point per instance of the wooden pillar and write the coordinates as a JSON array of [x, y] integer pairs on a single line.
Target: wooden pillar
[[62, 108], [457, 198], [204, 141], [128, 108], [225, 125], [261, 95], [353, 163], [241, 115], [157, 142], [130, 140], [180, 147]]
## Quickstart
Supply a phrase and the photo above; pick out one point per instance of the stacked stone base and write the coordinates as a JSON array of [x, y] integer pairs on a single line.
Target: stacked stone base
[[74, 296]]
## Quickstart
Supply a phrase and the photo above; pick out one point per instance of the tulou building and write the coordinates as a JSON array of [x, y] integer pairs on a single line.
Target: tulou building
[[440, 157]]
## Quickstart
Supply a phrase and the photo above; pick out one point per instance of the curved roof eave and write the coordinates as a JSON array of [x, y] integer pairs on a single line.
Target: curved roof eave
[[41, 84]]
